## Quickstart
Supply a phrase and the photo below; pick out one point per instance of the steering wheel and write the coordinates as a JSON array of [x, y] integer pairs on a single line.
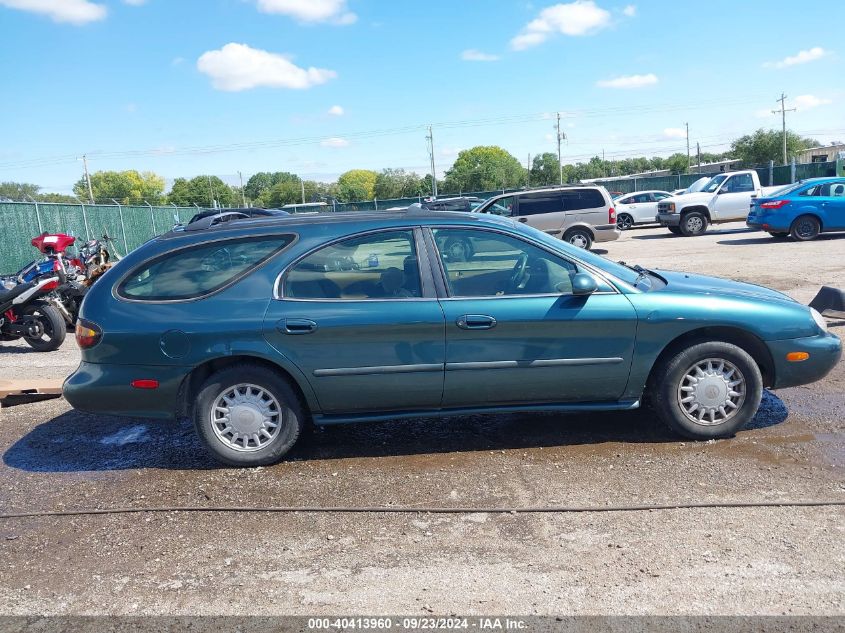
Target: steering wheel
[[519, 272]]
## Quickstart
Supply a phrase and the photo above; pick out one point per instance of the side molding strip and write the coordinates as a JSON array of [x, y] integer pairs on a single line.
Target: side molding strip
[[379, 369]]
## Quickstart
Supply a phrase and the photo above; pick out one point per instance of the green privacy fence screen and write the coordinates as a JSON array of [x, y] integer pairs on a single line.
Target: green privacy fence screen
[[130, 226]]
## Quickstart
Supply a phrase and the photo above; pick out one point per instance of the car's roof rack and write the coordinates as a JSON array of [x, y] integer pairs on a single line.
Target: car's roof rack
[[213, 220]]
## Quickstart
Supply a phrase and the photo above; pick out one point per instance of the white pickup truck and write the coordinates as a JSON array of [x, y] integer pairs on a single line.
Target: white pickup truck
[[725, 198]]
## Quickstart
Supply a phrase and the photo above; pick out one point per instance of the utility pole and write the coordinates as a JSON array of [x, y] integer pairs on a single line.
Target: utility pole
[[243, 195], [783, 112], [698, 152], [211, 191], [560, 136], [688, 158], [88, 179], [302, 184], [528, 177], [430, 139]]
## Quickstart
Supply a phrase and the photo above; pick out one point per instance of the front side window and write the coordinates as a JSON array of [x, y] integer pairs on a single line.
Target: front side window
[[739, 184], [377, 266], [826, 190], [500, 265], [502, 206], [661, 196], [200, 270]]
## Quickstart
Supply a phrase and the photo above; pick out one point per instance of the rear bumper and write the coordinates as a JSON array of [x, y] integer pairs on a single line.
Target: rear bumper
[[669, 219], [106, 388], [606, 233], [825, 350]]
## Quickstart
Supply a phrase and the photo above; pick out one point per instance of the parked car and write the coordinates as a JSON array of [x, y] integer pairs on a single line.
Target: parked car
[[801, 211], [257, 328], [578, 215], [724, 198], [230, 214], [639, 207], [460, 203]]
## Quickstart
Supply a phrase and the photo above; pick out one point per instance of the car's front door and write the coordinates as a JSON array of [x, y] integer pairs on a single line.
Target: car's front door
[[733, 200], [515, 333], [360, 318], [832, 201]]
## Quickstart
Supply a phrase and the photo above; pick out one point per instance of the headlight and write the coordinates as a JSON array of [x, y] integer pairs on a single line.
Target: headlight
[[670, 207], [819, 319]]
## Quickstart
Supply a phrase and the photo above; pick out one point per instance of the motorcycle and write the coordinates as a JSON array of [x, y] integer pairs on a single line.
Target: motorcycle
[[25, 313]]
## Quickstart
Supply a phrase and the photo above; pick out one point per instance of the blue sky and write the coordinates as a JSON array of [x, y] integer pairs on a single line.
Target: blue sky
[[316, 87]]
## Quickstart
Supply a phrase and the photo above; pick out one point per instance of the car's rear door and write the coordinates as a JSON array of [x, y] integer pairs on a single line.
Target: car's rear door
[[833, 205], [360, 318], [515, 333], [543, 210]]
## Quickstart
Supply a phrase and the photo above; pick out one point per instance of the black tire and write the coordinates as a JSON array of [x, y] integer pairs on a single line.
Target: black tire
[[624, 221], [778, 235], [580, 238], [287, 410], [675, 230], [669, 382], [805, 228], [693, 223], [53, 327], [458, 249]]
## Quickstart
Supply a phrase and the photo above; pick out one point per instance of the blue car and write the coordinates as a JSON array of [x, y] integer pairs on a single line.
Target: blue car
[[801, 211]]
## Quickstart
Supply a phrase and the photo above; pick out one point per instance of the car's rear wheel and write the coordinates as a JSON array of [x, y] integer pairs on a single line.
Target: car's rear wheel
[[248, 415], [625, 221], [675, 230], [693, 223], [707, 391], [579, 237], [805, 228]]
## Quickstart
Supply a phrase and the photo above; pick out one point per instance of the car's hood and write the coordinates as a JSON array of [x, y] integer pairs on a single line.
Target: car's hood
[[698, 196], [702, 284]]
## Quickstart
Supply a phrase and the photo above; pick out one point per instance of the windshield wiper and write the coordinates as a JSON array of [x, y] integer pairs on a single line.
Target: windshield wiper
[[643, 272]]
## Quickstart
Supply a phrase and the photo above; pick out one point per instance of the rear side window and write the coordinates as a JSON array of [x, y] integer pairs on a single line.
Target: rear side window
[[576, 199], [199, 270], [532, 205]]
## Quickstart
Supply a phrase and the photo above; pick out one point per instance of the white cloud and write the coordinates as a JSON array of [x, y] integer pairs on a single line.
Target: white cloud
[[336, 110], [333, 11], [807, 102], [177, 61], [238, 67], [582, 17], [334, 141], [675, 132], [631, 81], [135, 3], [629, 11], [72, 11], [802, 57], [472, 55]]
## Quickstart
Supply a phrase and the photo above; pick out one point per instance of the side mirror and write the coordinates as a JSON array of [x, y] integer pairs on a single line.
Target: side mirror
[[584, 284]]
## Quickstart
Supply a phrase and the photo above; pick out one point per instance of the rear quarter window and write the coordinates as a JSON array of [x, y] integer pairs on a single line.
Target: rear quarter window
[[199, 270], [577, 199]]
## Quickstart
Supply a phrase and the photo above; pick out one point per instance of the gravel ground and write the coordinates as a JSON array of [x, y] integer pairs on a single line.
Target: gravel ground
[[695, 561]]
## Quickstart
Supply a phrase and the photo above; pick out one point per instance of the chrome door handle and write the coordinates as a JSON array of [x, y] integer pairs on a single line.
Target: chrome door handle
[[296, 326], [475, 322]]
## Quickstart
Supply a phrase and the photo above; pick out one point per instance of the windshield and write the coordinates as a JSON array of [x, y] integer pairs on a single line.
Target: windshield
[[697, 186], [714, 183]]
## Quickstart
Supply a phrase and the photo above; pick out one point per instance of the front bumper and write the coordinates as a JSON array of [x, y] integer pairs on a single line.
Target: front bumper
[[669, 219], [825, 350], [105, 388]]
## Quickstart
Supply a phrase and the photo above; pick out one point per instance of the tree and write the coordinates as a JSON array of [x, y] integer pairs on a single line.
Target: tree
[[18, 191], [123, 186], [201, 190], [356, 184], [765, 145], [398, 183], [260, 184], [545, 170], [484, 168]]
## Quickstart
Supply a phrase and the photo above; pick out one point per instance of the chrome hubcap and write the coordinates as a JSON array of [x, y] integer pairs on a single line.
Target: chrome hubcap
[[711, 392], [694, 224], [578, 240], [246, 417]]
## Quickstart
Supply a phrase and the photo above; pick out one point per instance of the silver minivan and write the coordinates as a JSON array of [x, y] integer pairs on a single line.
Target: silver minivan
[[578, 214]]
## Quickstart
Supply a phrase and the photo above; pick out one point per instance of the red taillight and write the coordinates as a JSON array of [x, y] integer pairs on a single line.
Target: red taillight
[[773, 204], [87, 334], [611, 215], [144, 383], [50, 286]]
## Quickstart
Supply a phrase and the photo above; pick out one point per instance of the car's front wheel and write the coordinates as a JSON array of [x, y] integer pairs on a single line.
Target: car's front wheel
[[625, 221], [248, 415], [693, 223], [805, 228], [708, 390]]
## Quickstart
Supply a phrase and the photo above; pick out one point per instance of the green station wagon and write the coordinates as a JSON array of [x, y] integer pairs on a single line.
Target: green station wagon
[[257, 327]]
